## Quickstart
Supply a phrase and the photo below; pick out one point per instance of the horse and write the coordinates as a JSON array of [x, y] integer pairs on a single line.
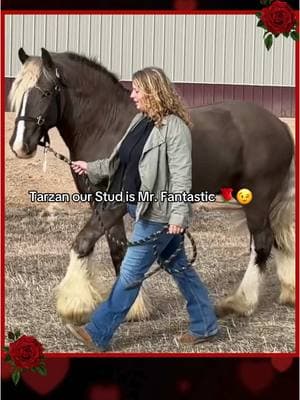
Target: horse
[[236, 145]]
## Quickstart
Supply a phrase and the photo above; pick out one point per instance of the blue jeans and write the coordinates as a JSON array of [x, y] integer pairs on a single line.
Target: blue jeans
[[138, 259]]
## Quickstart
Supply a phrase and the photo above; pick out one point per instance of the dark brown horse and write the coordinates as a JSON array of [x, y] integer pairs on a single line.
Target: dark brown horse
[[237, 145]]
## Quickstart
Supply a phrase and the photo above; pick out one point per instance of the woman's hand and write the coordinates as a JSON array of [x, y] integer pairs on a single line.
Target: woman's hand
[[175, 229], [80, 167]]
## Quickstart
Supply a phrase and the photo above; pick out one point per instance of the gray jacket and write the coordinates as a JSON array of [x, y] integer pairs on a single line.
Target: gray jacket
[[165, 165]]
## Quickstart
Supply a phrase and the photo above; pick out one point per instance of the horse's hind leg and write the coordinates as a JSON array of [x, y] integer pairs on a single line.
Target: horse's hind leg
[[245, 299], [142, 308], [285, 264], [283, 225]]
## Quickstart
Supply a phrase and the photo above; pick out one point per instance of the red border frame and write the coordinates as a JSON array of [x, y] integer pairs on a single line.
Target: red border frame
[[2, 191]]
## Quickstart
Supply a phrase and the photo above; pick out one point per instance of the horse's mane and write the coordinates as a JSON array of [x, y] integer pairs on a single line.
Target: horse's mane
[[26, 79], [92, 63], [32, 70]]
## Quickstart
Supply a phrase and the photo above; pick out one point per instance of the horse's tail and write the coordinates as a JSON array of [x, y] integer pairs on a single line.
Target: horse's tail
[[282, 218], [282, 215]]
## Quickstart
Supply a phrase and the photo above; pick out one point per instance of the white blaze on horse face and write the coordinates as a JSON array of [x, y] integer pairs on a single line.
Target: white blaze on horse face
[[18, 143]]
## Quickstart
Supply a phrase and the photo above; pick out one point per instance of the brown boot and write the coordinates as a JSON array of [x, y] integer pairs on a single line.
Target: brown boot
[[81, 334], [188, 339]]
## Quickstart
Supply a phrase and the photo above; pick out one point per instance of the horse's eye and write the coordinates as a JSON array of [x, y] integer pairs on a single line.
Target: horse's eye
[[46, 93]]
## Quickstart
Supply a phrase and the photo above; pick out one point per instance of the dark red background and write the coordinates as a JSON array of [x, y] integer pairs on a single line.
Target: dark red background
[[132, 4], [167, 379]]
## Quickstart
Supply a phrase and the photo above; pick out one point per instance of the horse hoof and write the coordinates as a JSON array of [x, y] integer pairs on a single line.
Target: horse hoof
[[77, 295], [76, 307], [75, 319], [133, 317], [77, 314], [287, 299], [233, 305], [141, 309], [222, 310]]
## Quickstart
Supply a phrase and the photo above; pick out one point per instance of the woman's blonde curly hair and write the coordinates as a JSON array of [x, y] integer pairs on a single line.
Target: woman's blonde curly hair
[[160, 97]]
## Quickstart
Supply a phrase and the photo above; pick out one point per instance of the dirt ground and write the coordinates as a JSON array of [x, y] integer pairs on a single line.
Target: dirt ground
[[38, 241]]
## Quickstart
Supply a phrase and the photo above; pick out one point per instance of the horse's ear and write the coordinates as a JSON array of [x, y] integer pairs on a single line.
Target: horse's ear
[[22, 55], [47, 60], [55, 73]]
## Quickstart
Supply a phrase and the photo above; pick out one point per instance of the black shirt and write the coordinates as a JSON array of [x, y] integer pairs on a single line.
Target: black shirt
[[130, 153]]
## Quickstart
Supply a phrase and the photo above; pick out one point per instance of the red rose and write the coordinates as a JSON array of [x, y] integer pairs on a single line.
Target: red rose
[[279, 17], [26, 352], [226, 193]]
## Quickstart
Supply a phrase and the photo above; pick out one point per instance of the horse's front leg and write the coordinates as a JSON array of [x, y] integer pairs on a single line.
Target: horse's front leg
[[77, 295], [116, 240], [80, 291]]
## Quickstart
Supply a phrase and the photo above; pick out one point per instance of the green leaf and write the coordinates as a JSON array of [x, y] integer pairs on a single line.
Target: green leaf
[[258, 14], [269, 41], [9, 360], [41, 369], [17, 334], [266, 33], [16, 375], [294, 35], [11, 336], [6, 348], [260, 24]]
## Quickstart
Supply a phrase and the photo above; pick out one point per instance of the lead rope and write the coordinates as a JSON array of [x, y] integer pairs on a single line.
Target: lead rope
[[150, 239], [45, 159]]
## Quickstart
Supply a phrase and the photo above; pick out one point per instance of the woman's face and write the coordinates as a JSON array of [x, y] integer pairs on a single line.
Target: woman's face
[[137, 96]]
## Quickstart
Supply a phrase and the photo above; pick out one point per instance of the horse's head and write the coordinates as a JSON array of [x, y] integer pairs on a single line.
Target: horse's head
[[36, 96]]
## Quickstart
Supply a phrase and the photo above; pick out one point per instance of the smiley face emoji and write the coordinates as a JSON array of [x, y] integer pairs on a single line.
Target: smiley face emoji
[[244, 196]]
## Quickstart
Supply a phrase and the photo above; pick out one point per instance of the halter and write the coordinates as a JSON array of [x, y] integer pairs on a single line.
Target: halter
[[41, 120]]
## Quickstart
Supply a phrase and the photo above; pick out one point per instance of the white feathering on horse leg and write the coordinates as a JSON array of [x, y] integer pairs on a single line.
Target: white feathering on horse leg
[[142, 307], [245, 299], [283, 225], [285, 264], [76, 295]]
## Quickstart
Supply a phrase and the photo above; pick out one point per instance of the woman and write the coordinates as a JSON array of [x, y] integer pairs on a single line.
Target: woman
[[155, 156]]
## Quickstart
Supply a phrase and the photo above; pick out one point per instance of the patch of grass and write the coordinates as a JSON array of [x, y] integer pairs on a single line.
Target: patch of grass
[[37, 254]]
